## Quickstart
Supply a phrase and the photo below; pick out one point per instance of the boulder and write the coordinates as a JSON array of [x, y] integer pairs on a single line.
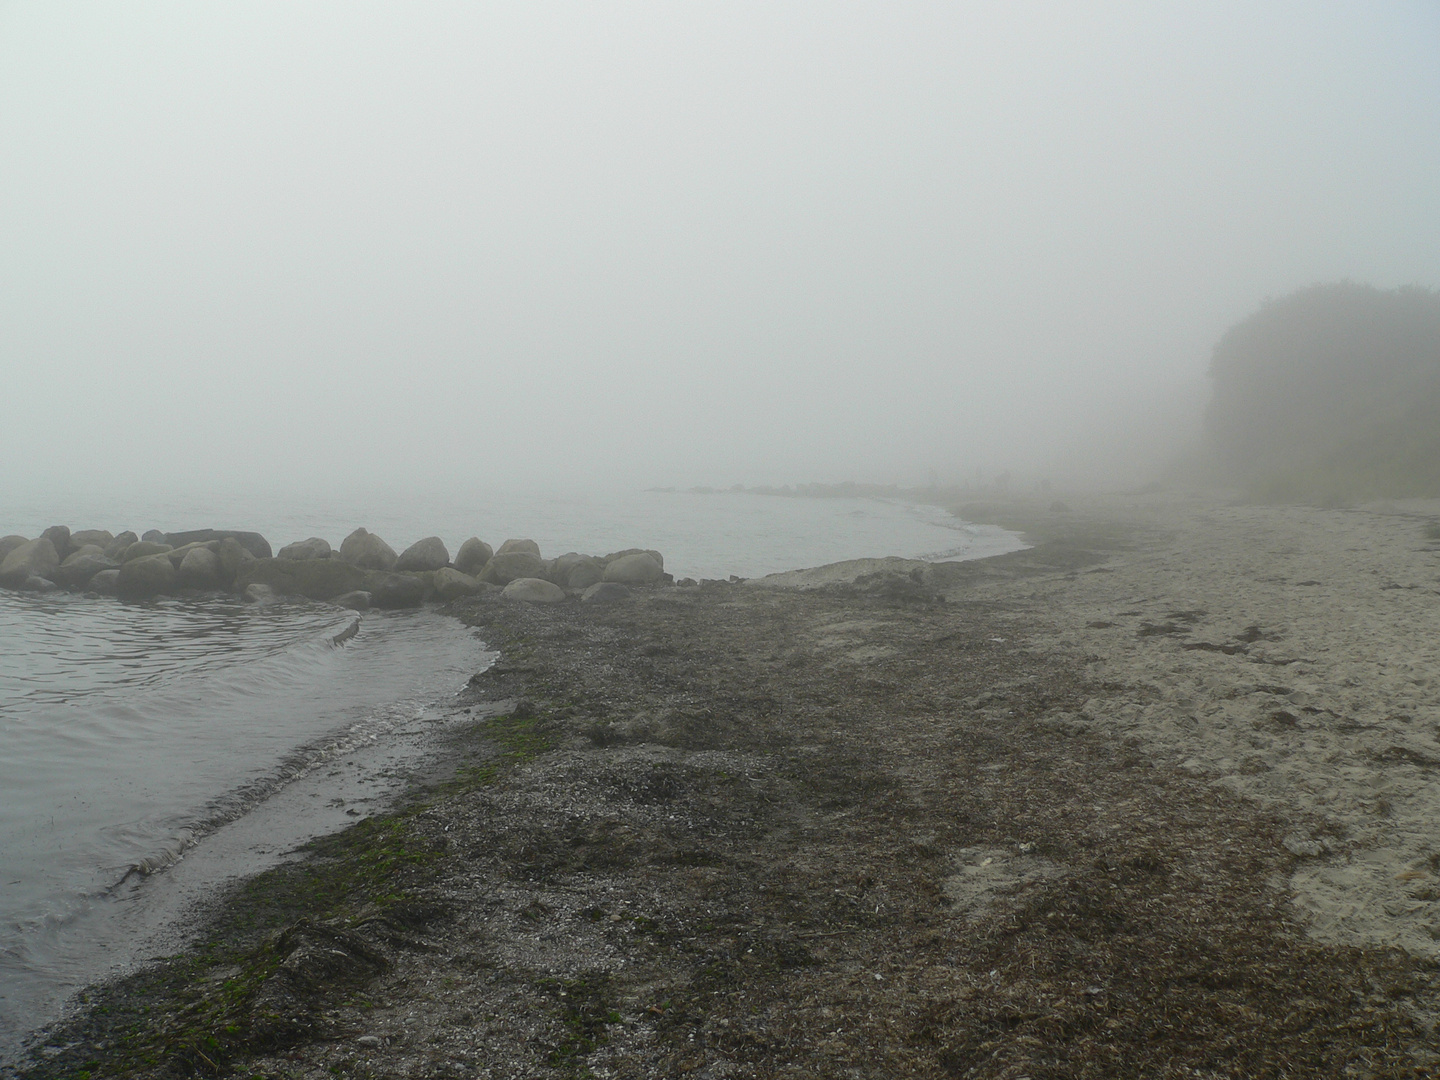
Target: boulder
[[637, 569], [143, 549], [534, 590], [233, 555], [423, 555], [149, 575], [10, 543], [252, 542], [449, 584], [257, 593], [36, 583], [36, 558], [155, 536], [59, 535], [396, 590], [318, 579], [101, 538], [200, 569], [608, 559], [507, 566], [106, 582], [359, 600], [76, 571], [472, 556], [367, 551], [584, 575], [117, 547], [575, 571], [604, 592], [177, 555], [314, 548], [511, 546]]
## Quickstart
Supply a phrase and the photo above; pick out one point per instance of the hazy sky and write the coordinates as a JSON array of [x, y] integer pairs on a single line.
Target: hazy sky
[[673, 243]]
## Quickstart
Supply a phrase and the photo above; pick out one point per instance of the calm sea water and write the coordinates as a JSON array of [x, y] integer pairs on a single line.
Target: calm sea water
[[205, 729]]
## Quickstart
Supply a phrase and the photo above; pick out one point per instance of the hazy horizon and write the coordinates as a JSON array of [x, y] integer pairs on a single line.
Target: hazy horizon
[[564, 246]]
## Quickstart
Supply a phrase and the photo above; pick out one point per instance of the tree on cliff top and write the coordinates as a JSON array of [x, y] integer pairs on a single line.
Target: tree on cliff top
[[1331, 394]]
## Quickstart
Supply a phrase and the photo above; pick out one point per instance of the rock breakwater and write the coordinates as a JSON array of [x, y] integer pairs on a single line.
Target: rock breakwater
[[363, 572]]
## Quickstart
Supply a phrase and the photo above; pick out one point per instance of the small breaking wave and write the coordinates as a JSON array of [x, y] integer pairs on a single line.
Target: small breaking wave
[[298, 764]]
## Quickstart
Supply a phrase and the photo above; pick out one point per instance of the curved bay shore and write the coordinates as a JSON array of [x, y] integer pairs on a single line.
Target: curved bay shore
[[1152, 797]]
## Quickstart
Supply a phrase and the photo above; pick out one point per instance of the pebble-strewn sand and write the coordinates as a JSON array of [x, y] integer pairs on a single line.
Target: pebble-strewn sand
[[1292, 654], [1303, 671]]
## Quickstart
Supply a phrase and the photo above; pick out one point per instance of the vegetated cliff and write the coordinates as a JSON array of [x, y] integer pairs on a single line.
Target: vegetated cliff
[[1330, 395]]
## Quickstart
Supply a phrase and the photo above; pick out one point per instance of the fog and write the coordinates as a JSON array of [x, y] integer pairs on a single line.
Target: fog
[[561, 245]]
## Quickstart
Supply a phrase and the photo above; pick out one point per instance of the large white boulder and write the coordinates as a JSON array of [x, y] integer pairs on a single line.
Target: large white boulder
[[511, 546], [423, 555], [34, 558], [534, 591], [638, 569], [472, 556], [102, 538], [367, 551], [635, 551]]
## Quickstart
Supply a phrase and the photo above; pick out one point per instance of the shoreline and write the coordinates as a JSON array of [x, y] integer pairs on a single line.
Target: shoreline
[[178, 890], [355, 757], [682, 829]]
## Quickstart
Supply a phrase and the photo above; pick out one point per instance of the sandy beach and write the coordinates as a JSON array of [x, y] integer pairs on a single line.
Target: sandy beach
[[1292, 656], [1152, 798]]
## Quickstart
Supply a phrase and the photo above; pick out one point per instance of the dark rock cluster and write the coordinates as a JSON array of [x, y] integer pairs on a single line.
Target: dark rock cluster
[[363, 572]]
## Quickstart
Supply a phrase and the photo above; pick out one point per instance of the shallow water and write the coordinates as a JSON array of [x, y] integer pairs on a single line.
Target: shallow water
[[129, 733], [138, 734]]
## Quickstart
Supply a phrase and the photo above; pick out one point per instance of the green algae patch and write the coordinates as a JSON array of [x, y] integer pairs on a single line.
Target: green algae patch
[[282, 943], [587, 1009], [276, 947]]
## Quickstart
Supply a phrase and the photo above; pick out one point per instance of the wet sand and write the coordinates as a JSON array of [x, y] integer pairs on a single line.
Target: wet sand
[[1137, 802]]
